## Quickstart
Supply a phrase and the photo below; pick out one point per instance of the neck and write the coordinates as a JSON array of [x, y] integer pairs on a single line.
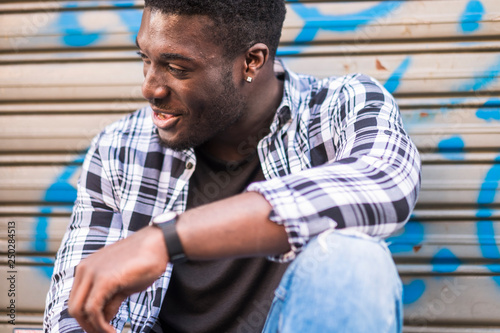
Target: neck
[[240, 140]]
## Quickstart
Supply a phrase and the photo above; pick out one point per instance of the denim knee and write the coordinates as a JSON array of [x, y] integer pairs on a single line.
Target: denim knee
[[342, 281]]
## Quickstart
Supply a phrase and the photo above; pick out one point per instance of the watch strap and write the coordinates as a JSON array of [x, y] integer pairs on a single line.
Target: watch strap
[[174, 246], [167, 223]]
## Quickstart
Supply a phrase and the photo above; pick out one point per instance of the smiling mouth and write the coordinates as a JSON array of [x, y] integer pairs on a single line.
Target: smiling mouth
[[162, 116], [165, 120]]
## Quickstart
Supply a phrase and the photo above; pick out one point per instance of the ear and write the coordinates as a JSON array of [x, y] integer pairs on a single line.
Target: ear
[[255, 59]]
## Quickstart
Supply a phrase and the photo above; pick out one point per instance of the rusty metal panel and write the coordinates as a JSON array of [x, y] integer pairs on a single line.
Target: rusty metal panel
[[68, 68], [57, 24], [441, 300], [52, 132], [416, 74]]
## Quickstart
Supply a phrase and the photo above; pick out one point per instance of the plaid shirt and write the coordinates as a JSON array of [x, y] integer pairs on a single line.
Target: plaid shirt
[[337, 156]]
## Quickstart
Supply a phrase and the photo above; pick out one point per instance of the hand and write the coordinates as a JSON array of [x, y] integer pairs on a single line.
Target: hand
[[104, 279]]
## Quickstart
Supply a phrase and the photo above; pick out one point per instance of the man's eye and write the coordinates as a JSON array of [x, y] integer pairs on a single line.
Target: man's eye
[[142, 55], [176, 70]]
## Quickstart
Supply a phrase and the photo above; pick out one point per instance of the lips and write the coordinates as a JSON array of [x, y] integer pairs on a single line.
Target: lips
[[164, 120]]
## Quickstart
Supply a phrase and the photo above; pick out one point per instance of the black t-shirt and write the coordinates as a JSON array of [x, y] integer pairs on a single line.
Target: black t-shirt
[[232, 295]]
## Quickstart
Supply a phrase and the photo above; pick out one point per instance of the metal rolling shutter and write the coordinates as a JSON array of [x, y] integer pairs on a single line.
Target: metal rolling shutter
[[68, 68]]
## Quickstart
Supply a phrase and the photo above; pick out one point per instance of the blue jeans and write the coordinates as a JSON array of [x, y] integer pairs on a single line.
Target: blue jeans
[[341, 282]]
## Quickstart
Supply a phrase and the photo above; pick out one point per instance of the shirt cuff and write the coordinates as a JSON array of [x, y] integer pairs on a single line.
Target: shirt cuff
[[294, 212]]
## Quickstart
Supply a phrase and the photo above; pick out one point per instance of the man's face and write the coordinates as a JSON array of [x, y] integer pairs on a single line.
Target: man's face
[[187, 81]]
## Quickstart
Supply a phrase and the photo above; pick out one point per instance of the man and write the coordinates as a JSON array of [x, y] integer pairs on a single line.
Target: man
[[328, 164]]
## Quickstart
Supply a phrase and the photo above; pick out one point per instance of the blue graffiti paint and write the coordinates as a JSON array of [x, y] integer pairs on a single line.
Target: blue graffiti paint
[[289, 50], [488, 115], [314, 20], [132, 20], [61, 191], [75, 35], [471, 17], [413, 235], [452, 148], [46, 265], [124, 4], [486, 228], [483, 213], [394, 80], [41, 227], [489, 249], [444, 261], [490, 111], [490, 184], [454, 143], [413, 291], [492, 103], [485, 231]]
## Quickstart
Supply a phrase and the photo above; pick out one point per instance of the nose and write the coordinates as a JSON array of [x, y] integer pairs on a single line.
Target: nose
[[153, 86]]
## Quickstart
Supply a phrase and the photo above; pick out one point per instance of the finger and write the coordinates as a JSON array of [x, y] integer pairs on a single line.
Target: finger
[[79, 291], [78, 310], [97, 300], [78, 304], [112, 307]]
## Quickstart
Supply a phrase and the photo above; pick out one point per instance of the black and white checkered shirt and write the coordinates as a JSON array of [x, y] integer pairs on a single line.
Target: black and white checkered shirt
[[337, 157]]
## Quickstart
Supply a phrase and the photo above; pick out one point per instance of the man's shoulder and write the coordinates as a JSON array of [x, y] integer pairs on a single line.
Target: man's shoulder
[[323, 89], [348, 81], [337, 89], [333, 98]]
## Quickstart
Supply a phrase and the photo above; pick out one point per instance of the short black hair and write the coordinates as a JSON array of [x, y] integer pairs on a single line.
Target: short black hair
[[239, 24]]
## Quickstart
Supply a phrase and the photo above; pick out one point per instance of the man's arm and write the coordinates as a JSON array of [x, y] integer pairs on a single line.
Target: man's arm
[[233, 227], [236, 227], [371, 178]]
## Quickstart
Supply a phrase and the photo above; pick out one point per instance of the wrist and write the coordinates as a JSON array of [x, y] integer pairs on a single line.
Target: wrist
[[167, 223], [152, 240]]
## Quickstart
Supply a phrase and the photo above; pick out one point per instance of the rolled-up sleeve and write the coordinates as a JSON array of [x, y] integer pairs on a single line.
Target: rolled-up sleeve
[[370, 180]]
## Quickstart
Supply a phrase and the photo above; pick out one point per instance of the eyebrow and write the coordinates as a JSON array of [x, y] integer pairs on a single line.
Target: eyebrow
[[169, 56], [175, 56]]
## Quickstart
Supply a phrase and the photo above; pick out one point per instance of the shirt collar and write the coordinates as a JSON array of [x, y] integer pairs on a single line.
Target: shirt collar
[[293, 94]]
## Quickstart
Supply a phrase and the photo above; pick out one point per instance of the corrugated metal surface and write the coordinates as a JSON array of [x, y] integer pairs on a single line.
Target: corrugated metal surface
[[68, 68]]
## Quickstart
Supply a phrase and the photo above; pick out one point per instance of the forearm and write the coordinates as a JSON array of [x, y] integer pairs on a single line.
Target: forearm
[[372, 193], [235, 227]]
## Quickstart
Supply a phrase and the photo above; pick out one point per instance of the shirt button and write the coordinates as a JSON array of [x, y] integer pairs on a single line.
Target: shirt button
[[189, 165]]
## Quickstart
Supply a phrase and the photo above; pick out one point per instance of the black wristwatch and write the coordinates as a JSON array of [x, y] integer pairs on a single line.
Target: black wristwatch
[[166, 222]]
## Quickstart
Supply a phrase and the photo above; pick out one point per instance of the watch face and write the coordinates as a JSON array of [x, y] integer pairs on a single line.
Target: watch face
[[165, 217]]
